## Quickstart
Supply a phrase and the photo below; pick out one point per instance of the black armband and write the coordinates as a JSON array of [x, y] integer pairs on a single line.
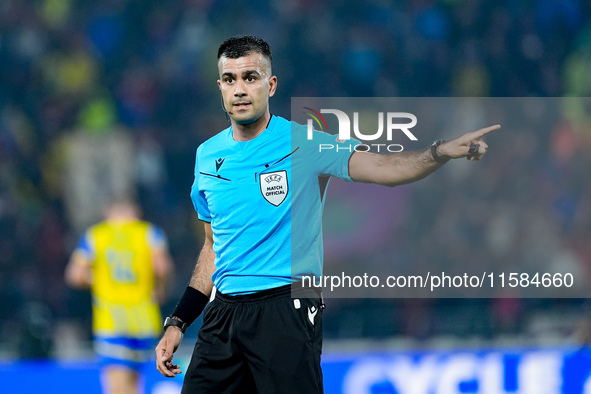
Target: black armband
[[190, 305]]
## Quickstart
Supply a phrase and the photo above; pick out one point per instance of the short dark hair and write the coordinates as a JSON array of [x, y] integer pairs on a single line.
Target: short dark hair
[[240, 46]]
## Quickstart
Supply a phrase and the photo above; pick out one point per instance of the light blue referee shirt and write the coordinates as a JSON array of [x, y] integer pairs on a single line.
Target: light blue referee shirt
[[264, 201]]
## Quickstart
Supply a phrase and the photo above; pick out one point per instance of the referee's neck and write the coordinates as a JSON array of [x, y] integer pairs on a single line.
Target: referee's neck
[[246, 132]]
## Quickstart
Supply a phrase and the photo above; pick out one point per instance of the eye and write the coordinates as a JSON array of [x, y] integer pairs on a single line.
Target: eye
[[250, 78], [229, 80]]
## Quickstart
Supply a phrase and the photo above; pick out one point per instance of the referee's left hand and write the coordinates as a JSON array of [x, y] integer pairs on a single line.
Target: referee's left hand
[[460, 147], [164, 352]]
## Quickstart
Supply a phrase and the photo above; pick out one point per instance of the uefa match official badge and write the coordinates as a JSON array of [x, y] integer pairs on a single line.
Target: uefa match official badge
[[274, 186]]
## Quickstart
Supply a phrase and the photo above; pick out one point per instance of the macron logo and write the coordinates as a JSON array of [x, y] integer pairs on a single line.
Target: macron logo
[[312, 314], [218, 164]]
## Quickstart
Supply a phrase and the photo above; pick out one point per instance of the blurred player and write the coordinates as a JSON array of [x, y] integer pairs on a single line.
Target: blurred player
[[126, 264], [263, 232]]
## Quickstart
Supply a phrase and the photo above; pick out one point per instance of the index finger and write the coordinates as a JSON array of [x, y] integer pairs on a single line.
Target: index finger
[[487, 130]]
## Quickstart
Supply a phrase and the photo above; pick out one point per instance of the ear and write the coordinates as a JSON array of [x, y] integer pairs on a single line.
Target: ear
[[272, 85], [220, 84]]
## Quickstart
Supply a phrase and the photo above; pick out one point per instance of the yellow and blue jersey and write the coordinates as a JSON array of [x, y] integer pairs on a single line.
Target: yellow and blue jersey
[[123, 282]]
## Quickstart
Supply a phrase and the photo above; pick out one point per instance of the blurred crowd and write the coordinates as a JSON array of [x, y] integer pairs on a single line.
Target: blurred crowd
[[114, 96]]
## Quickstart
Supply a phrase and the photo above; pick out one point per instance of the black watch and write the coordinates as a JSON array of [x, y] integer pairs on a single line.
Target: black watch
[[169, 321], [436, 157]]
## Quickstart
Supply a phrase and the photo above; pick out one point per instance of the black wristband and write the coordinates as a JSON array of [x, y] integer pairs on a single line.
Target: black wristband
[[436, 157], [190, 305]]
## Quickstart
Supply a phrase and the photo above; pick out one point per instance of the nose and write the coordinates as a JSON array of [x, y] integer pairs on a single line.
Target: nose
[[239, 90]]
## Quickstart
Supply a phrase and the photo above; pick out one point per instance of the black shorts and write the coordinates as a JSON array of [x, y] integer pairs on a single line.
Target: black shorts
[[266, 342]]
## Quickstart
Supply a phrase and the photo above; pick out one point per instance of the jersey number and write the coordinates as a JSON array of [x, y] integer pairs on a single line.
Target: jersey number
[[121, 266]]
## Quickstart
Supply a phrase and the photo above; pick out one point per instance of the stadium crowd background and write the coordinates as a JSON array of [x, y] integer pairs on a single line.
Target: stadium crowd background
[[134, 82]]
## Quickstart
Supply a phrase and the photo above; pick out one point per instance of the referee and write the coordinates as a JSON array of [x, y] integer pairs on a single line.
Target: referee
[[258, 337]]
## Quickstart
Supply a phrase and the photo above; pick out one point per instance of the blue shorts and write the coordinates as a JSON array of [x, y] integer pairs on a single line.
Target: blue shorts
[[130, 352]]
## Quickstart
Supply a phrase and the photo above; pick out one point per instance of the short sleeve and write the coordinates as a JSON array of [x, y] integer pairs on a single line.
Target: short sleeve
[[198, 195], [328, 155], [85, 247], [156, 238]]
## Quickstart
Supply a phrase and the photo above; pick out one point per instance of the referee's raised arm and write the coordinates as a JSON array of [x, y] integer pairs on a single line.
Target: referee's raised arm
[[407, 167]]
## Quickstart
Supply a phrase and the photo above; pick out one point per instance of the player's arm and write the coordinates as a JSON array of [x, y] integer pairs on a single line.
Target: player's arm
[[406, 167], [161, 263], [200, 282], [79, 271], [163, 268]]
